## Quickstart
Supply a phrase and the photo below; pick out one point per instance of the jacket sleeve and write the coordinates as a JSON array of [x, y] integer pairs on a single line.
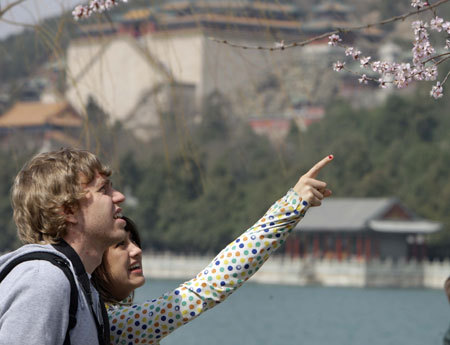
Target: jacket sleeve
[[151, 321], [34, 307]]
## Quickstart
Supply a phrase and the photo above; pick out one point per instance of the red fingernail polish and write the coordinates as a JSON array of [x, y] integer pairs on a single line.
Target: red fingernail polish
[[330, 156]]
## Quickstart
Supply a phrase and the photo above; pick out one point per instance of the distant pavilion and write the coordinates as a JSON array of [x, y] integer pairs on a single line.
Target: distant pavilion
[[362, 228]]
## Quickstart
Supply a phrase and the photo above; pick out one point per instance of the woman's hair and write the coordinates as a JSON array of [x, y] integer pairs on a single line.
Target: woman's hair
[[101, 277], [47, 186]]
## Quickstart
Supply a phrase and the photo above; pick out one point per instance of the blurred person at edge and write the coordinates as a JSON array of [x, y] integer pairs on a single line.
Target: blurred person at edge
[[446, 340]]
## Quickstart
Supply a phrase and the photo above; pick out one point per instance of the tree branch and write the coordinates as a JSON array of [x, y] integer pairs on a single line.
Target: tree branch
[[10, 6], [283, 46]]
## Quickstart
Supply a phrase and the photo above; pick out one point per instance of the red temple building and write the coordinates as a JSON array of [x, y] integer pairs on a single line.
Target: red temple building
[[362, 228]]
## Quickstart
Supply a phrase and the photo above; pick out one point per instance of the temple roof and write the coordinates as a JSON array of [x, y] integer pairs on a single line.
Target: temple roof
[[363, 214], [27, 114]]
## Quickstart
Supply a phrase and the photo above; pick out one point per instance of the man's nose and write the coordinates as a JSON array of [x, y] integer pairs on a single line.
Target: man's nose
[[118, 197]]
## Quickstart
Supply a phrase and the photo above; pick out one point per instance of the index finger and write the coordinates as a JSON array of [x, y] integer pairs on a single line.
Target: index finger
[[312, 173]]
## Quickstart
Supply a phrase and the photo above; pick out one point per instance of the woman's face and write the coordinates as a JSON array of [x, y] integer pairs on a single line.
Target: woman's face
[[124, 265]]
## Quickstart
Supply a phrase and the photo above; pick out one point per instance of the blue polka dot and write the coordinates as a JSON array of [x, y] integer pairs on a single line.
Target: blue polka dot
[[253, 237], [304, 203], [205, 272], [119, 332], [277, 235], [217, 262], [177, 292], [130, 336], [230, 268], [144, 326], [222, 283], [163, 318], [263, 225], [241, 245], [266, 230], [113, 328], [192, 313], [254, 251], [170, 321], [238, 267], [137, 323], [177, 308], [238, 240], [157, 330], [199, 290], [246, 266], [271, 217], [272, 223]]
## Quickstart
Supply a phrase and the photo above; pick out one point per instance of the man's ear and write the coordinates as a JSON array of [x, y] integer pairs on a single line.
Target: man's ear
[[70, 215]]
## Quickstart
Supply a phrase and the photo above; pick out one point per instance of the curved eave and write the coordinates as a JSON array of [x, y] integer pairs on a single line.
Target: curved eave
[[391, 226]]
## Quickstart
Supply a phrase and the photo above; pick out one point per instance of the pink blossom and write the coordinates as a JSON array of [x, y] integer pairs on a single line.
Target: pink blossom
[[364, 61], [437, 24], [446, 27], [419, 4], [363, 79], [78, 12], [355, 53], [334, 40], [338, 66], [382, 83], [437, 91], [279, 45]]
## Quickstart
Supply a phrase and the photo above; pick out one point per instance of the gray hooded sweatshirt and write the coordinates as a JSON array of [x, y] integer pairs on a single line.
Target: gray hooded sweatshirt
[[35, 300]]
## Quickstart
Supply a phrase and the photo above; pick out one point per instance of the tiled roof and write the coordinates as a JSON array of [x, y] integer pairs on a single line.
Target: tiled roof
[[358, 214], [28, 114]]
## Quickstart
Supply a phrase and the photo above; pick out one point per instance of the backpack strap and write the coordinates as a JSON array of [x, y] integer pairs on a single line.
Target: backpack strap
[[102, 327], [60, 262]]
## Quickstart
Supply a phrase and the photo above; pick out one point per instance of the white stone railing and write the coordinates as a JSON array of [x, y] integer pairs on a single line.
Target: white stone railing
[[297, 271]]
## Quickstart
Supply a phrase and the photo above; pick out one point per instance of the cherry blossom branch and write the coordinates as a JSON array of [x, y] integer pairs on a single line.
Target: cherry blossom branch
[[402, 74], [85, 11], [446, 77], [398, 74], [281, 45]]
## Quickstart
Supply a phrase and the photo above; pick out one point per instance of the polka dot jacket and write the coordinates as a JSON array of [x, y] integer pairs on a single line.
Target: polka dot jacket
[[149, 322]]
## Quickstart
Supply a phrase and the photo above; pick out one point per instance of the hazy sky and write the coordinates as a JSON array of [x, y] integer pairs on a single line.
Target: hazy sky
[[31, 12]]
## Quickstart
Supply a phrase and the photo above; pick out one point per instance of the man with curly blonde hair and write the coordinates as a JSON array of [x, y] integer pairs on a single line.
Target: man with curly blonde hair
[[63, 204]]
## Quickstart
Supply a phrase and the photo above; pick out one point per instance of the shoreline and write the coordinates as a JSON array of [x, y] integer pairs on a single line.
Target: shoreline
[[284, 270]]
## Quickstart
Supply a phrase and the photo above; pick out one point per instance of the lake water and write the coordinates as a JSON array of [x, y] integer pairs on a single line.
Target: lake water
[[284, 315]]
